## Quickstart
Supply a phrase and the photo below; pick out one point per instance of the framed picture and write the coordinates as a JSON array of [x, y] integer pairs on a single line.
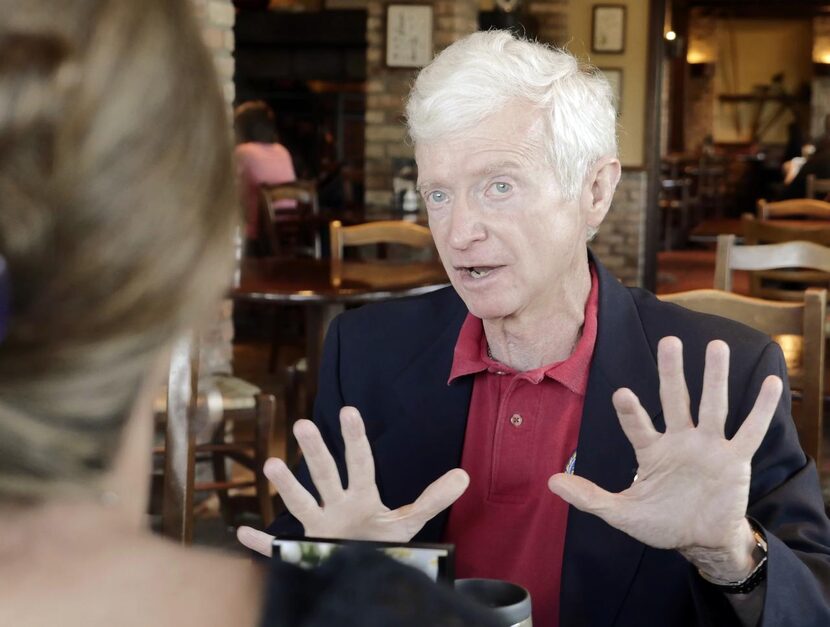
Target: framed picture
[[608, 28], [408, 35], [614, 76]]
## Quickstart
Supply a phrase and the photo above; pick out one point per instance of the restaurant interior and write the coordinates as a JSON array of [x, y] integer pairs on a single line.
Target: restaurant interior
[[724, 135]]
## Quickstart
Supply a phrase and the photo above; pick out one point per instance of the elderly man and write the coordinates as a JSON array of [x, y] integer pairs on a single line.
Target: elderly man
[[539, 381]]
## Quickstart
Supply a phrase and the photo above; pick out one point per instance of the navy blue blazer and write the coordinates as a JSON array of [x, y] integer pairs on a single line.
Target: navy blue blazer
[[392, 361]]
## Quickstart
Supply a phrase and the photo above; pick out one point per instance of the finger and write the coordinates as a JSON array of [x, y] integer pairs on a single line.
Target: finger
[[297, 499], [258, 541], [634, 420], [674, 396], [754, 428], [319, 461], [714, 399], [584, 495], [360, 465], [437, 497]]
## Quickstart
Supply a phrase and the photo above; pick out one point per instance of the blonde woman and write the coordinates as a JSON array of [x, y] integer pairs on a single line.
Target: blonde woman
[[117, 209]]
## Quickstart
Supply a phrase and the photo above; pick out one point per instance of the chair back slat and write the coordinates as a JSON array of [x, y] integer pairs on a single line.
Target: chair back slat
[[380, 232], [793, 208], [768, 232], [817, 187], [290, 213], [777, 284], [770, 317]]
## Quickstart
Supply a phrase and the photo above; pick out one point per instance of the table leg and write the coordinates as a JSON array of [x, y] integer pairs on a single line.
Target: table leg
[[317, 319]]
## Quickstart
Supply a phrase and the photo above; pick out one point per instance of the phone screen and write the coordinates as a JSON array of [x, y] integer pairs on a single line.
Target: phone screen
[[434, 560]]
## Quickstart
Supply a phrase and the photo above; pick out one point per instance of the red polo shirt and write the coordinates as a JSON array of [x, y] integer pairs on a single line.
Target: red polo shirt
[[522, 427]]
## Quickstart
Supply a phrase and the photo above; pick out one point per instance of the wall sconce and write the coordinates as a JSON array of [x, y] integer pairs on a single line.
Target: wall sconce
[[821, 56], [821, 41], [700, 60]]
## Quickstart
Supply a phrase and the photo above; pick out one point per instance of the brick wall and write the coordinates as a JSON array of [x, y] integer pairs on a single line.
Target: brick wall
[[620, 243], [217, 18], [387, 88]]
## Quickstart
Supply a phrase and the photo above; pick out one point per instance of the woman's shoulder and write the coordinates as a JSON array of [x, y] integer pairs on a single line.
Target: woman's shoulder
[[137, 581]]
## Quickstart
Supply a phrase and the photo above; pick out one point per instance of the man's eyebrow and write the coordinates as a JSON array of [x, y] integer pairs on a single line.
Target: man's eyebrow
[[489, 169], [492, 168]]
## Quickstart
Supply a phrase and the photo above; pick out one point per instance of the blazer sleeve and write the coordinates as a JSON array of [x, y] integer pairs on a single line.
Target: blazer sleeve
[[785, 499], [327, 406]]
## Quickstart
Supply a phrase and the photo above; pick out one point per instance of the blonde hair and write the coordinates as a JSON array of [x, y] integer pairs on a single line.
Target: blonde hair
[[117, 208], [480, 74]]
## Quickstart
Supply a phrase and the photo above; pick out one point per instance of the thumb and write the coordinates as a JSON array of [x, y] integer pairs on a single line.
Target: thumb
[[582, 494], [437, 496], [258, 541], [443, 492]]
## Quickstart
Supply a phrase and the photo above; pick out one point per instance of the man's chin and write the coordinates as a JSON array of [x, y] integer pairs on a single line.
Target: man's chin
[[486, 311]]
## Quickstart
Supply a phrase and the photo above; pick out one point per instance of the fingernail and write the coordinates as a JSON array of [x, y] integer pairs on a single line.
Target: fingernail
[[274, 465], [351, 423]]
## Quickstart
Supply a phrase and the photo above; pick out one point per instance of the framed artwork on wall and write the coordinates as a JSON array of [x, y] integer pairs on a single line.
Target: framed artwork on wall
[[614, 76], [408, 35], [608, 28]]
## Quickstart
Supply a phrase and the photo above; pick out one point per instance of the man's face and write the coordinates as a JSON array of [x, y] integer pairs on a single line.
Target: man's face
[[510, 243]]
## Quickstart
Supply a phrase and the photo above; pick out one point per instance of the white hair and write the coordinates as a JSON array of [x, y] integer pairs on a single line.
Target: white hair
[[480, 74]]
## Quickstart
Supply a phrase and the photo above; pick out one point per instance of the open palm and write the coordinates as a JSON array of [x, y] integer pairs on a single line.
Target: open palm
[[692, 484], [355, 512]]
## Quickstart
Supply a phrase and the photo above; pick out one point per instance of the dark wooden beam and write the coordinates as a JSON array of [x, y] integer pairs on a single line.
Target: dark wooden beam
[[677, 79], [654, 78], [760, 9]]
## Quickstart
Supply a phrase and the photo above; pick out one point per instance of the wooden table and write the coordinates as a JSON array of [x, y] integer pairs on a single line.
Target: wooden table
[[708, 230], [324, 287]]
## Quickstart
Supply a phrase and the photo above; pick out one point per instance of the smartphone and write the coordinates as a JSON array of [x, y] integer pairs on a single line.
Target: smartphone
[[437, 561]]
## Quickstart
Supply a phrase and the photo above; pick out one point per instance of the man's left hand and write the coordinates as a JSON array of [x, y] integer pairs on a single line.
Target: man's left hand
[[692, 485]]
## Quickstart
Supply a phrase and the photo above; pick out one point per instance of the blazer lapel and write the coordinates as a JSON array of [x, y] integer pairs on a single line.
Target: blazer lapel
[[435, 415], [600, 561]]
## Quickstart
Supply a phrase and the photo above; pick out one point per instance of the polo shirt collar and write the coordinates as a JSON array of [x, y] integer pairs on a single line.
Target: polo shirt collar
[[470, 355]]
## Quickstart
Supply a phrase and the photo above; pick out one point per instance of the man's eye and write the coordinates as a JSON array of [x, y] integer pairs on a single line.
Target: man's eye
[[502, 188], [437, 196]]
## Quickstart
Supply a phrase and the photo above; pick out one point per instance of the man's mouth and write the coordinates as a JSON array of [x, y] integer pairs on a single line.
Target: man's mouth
[[478, 272]]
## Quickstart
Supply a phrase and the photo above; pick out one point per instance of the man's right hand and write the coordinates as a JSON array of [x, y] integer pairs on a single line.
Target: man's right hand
[[356, 512]]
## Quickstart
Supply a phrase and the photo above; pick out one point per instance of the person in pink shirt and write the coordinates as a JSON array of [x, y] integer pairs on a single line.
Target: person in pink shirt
[[260, 159]]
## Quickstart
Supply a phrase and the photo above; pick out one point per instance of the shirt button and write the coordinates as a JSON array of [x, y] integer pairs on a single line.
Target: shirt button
[[516, 420]]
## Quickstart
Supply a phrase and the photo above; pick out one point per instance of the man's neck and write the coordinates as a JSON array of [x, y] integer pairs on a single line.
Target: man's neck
[[540, 336]]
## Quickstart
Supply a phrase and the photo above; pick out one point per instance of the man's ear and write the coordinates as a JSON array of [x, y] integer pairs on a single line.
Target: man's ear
[[601, 185]]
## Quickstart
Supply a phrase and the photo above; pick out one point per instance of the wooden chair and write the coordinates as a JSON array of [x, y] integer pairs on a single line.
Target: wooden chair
[[817, 187], [794, 208], [787, 282], [796, 262], [290, 214], [381, 232], [185, 411], [781, 321]]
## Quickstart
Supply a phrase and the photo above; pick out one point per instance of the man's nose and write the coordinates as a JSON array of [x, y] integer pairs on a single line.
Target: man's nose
[[466, 226]]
